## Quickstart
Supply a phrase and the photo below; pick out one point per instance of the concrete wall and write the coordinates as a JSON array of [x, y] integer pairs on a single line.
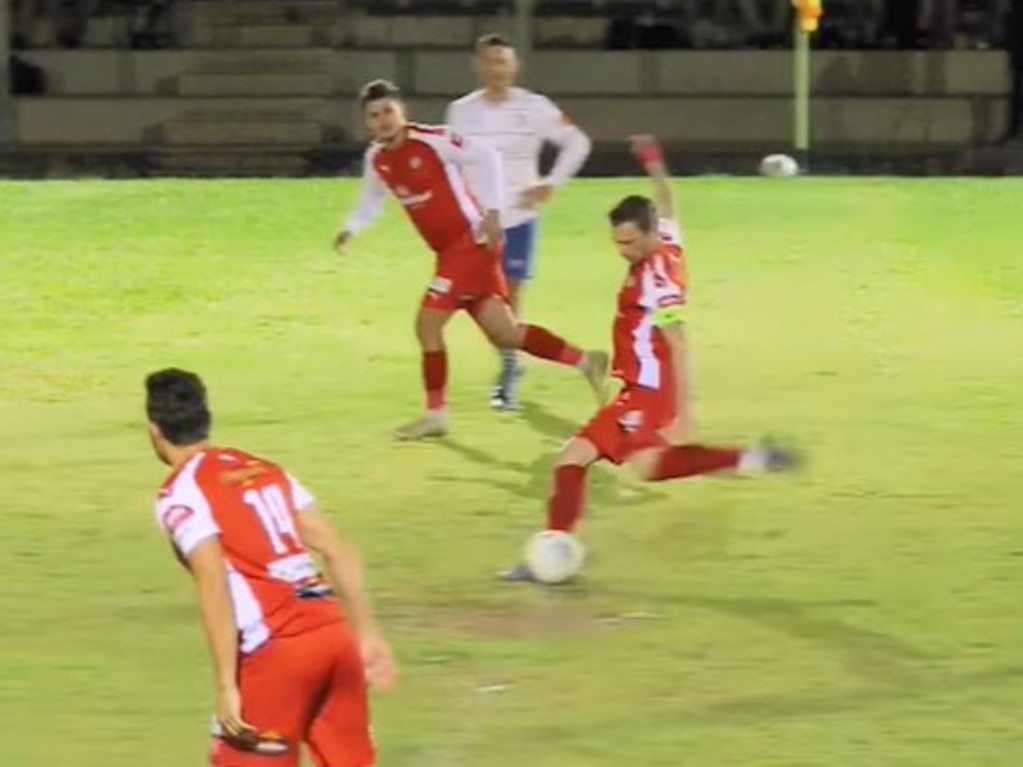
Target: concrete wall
[[712, 98], [560, 73]]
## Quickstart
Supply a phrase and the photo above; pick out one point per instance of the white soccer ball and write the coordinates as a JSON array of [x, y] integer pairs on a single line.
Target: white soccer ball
[[554, 556], [778, 166]]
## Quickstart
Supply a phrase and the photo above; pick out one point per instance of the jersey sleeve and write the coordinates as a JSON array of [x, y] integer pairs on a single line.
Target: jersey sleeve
[[185, 515], [300, 497], [666, 295], [372, 196], [573, 144], [481, 162], [670, 233]]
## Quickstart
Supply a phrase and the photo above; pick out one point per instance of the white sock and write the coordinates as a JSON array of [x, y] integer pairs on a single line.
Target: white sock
[[752, 461]]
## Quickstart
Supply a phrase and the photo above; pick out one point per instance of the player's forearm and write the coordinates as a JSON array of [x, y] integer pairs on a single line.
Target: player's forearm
[[572, 155], [680, 375], [344, 571], [488, 174], [664, 196], [216, 613]]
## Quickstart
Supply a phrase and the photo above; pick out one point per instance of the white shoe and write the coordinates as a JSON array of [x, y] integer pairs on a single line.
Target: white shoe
[[433, 424]]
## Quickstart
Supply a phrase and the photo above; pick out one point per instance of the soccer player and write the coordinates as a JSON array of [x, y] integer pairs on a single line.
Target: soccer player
[[517, 122], [292, 649], [451, 189], [648, 423]]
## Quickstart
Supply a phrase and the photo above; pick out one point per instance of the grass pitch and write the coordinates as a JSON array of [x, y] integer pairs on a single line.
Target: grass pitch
[[867, 613]]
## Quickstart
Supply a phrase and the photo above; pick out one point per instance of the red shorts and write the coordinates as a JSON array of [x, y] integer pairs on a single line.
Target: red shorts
[[467, 275], [310, 689], [631, 423]]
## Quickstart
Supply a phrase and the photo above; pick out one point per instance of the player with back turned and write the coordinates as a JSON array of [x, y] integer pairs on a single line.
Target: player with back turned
[[292, 650], [451, 188], [648, 425]]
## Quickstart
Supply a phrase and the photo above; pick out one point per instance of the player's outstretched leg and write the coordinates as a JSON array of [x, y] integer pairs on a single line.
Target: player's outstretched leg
[[494, 316], [658, 464], [567, 497], [430, 332]]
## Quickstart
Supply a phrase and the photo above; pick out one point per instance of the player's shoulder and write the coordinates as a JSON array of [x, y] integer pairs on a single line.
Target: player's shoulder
[[470, 99], [440, 138], [534, 101]]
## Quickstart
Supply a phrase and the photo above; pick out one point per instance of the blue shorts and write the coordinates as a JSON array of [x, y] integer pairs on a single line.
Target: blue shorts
[[519, 250]]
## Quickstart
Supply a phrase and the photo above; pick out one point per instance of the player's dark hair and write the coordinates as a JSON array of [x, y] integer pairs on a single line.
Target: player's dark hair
[[378, 89], [637, 210], [176, 404], [492, 41]]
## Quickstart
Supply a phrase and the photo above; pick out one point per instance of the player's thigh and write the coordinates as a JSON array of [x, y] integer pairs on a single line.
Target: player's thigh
[[279, 684], [580, 450], [604, 435], [497, 320], [339, 734]]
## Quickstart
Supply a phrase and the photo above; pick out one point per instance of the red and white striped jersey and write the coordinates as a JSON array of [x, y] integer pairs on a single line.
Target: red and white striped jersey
[[444, 181], [641, 354], [251, 504]]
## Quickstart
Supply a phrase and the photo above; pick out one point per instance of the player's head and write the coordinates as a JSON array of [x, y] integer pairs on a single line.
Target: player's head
[[497, 66], [634, 227], [384, 110], [179, 416]]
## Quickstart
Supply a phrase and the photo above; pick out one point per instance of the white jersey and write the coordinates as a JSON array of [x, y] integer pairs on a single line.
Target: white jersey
[[518, 127]]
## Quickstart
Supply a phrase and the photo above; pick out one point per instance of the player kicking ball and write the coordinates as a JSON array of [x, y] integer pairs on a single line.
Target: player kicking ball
[[451, 189], [647, 424], [292, 650], [517, 123]]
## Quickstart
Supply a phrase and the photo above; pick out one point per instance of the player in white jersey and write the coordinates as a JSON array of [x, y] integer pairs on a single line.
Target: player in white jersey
[[518, 123]]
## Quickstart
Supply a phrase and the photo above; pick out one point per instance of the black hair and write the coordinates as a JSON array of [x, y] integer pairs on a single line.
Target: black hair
[[176, 404], [635, 209], [378, 89], [492, 41]]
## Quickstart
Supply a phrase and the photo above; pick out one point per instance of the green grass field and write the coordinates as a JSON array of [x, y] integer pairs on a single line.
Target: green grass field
[[864, 614]]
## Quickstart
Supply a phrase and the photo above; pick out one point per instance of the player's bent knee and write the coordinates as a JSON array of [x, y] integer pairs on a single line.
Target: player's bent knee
[[644, 463], [578, 451]]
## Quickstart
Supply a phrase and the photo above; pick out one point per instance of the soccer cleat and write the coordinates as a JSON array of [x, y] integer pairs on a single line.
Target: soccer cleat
[[780, 458], [433, 424], [518, 574], [497, 397], [595, 367]]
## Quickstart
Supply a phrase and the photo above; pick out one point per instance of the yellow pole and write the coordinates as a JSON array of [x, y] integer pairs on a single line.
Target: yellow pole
[[808, 14]]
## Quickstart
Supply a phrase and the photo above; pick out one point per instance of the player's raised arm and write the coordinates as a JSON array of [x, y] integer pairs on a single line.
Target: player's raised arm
[[344, 571], [574, 146], [649, 153], [372, 195]]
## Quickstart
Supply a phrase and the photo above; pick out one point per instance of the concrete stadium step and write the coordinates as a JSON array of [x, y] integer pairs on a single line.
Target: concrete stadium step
[[241, 161], [255, 84], [227, 131], [233, 13], [274, 36], [275, 61]]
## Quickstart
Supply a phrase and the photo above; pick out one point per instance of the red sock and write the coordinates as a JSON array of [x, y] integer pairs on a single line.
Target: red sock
[[435, 378], [565, 505], [689, 460], [542, 343]]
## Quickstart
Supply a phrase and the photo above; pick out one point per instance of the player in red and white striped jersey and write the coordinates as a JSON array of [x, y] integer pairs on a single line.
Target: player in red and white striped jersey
[[451, 188], [292, 648], [648, 423]]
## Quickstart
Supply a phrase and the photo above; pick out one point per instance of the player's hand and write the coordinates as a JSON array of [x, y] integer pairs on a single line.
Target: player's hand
[[490, 231], [341, 241], [647, 150], [378, 661], [229, 714], [537, 195]]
